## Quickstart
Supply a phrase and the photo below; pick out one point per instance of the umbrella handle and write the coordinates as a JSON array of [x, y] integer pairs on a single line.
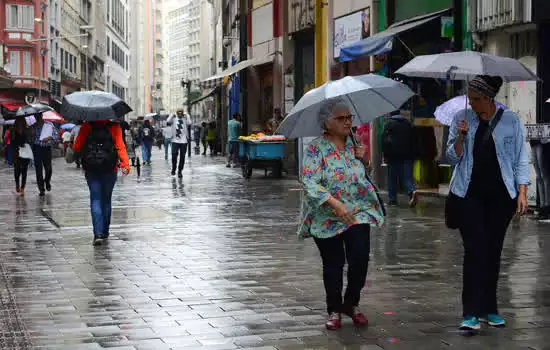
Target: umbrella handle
[[353, 139]]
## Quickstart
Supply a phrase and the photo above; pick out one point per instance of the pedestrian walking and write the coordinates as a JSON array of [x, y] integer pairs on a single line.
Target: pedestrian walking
[[74, 135], [66, 139], [45, 137], [180, 139], [147, 138], [8, 148], [103, 151], [159, 138], [234, 127], [211, 137], [20, 141], [204, 129], [341, 205], [131, 143], [167, 134], [398, 146], [489, 187]]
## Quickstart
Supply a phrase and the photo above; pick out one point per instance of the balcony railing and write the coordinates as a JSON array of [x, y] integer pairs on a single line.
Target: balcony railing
[[492, 14]]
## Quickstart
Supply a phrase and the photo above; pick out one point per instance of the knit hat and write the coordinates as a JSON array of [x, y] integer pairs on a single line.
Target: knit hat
[[486, 85]]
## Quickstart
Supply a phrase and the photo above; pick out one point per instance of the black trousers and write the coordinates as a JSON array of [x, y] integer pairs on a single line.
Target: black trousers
[[352, 245], [180, 148], [20, 168], [483, 228], [42, 164]]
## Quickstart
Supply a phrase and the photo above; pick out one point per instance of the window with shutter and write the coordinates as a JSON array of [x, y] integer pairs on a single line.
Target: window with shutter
[[12, 16], [27, 66], [15, 62]]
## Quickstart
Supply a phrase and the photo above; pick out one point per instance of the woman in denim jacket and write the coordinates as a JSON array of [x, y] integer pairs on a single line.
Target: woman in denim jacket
[[490, 179]]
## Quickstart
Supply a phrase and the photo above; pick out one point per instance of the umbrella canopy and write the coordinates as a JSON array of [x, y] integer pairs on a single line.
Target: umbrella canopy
[[93, 105], [32, 109], [53, 117], [30, 121], [465, 65], [368, 96], [446, 112], [67, 126]]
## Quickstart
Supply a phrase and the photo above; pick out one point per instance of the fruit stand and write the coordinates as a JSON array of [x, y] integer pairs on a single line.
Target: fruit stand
[[259, 151]]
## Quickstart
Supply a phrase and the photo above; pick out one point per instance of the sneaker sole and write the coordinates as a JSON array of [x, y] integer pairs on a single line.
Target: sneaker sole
[[470, 328], [493, 324], [98, 242]]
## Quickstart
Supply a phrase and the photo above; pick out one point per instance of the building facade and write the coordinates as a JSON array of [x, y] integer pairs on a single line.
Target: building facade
[[117, 63], [23, 36], [177, 53]]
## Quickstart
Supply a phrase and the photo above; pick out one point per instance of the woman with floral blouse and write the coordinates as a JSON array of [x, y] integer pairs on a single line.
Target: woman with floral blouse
[[340, 207]]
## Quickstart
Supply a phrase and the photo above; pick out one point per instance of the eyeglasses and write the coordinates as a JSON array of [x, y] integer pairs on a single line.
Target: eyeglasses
[[344, 118]]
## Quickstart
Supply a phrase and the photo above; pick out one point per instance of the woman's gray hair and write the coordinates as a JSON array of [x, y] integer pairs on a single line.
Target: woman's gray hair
[[328, 108]]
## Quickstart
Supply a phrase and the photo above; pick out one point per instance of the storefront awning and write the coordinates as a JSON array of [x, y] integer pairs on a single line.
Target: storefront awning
[[203, 97], [383, 42], [11, 105], [222, 78]]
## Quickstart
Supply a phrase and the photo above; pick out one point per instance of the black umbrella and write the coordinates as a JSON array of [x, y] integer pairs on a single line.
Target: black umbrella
[[93, 105], [32, 109]]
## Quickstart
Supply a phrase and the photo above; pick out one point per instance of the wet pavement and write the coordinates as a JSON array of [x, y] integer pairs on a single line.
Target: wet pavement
[[212, 262]]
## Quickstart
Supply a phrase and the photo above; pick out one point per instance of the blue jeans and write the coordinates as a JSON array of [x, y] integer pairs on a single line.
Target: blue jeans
[[101, 190], [167, 144], [400, 171], [146, 147]]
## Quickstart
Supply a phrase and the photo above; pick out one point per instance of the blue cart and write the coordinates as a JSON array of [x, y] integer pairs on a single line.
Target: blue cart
[[261, 155]]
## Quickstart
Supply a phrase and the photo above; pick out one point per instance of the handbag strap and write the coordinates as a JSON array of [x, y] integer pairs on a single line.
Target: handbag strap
[[494, 123]]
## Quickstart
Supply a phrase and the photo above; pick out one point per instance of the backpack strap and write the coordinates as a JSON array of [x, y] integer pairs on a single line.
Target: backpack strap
[[493, 125]]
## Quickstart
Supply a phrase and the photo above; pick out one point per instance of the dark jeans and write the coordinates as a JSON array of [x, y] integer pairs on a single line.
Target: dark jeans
[[400, 171], [101, 190], [234, 151], [20, 168], [483, 228], [146, 147], [180, 148], [353, 245], [42, 164], [167, 143]]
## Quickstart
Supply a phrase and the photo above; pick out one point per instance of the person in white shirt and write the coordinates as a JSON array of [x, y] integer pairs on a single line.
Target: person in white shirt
[[66, 139], [180, 124], [167, 136]]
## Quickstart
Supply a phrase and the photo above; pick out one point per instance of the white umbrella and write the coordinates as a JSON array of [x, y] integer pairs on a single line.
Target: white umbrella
[[446, 112], [369, 96], [30, 121], [465, 65]]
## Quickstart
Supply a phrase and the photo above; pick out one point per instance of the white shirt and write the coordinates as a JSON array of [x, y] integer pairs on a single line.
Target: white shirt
[[183, 137], [167, 132], [67, 136]]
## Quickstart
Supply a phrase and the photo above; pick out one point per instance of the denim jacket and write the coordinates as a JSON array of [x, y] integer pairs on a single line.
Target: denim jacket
[[511, 147]]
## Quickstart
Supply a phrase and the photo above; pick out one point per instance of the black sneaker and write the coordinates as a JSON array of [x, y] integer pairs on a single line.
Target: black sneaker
[[180, 175], [98, 240], [173, 173], [413, 199], [392, 203], [42, 193], [105, 235], [228, 165], [48, 186]]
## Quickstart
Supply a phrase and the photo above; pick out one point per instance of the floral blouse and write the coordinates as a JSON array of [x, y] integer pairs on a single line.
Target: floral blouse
[[329, 171]]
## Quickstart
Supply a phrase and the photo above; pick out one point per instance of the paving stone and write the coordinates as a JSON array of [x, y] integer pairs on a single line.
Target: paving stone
[[212, 262]]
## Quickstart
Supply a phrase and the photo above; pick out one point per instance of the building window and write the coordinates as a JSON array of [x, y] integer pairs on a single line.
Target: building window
[[20, 17], [118, 90], [15, 62], [27, 63]]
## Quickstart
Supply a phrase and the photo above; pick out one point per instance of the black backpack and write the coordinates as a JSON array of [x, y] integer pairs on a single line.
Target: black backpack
[[99, 154]]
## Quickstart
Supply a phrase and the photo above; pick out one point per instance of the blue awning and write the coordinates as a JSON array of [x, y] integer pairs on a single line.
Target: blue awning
[[382, 42]]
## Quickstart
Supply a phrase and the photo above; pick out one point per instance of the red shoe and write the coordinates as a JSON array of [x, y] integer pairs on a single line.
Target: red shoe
[[334, 321], [359, 319]]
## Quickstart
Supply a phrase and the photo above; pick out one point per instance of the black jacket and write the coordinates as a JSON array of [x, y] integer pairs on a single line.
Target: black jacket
[[398, 141]]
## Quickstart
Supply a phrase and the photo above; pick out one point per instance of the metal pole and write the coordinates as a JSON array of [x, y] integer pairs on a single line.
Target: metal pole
[[243, 53], [87, 71], [40, 69]]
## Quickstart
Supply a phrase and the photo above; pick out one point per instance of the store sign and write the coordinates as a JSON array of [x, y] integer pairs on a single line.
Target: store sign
[[350, 29]]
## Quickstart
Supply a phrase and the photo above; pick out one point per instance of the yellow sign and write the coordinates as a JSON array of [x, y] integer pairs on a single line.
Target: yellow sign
[[259, 3]]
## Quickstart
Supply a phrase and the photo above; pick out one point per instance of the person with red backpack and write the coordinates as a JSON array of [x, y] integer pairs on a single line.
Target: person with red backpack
[[103, 152]]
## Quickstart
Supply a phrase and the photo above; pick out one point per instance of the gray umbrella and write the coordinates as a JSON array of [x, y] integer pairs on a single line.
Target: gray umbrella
[[368, 96], [465, 65], [32, 109], [93, 105]]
